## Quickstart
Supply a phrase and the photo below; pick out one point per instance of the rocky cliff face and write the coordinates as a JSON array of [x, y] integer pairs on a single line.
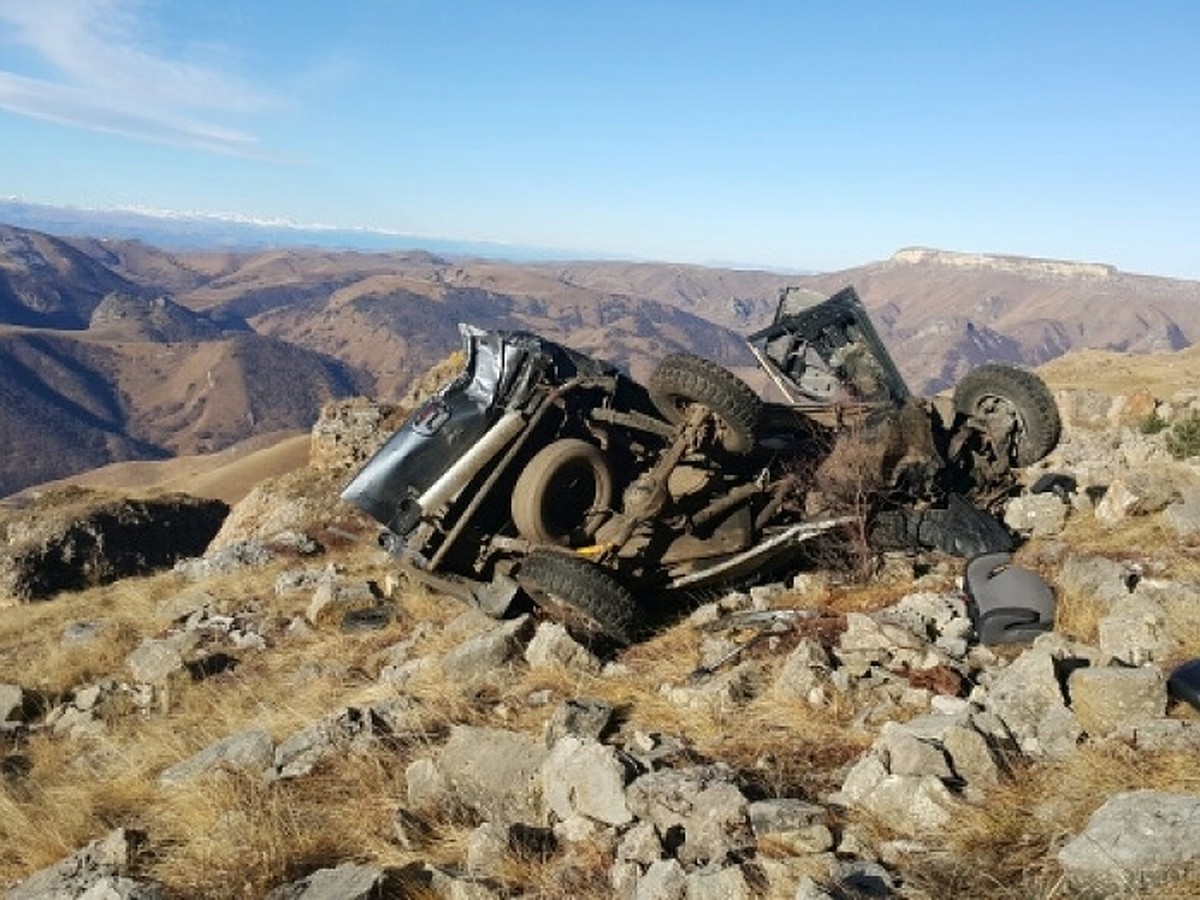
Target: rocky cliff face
[[160, 320], [80, 540], [1053, 268]]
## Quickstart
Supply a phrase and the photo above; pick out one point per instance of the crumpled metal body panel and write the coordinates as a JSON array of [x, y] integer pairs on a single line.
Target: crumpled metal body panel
[[445, 426]]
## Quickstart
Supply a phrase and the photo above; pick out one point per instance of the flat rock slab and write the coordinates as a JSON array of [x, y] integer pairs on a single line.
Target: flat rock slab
[[1135, 841]]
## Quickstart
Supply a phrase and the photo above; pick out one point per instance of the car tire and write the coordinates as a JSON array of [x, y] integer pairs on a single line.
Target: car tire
[[682, 380], [563, 482], [1012, 400], [590, 601]]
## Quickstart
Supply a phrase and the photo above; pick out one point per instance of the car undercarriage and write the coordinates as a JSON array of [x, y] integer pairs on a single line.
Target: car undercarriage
[[541, 472]]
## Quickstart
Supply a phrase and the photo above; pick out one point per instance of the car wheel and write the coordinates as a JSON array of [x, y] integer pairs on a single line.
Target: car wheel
[[561, 485], [682, 380], [589, 600], [1015, 405]]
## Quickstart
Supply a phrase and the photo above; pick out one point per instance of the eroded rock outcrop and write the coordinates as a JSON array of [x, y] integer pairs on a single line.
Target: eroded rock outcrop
[[91, 539]]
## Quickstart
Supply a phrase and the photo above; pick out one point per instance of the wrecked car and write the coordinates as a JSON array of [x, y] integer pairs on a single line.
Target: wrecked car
[[540, 472]]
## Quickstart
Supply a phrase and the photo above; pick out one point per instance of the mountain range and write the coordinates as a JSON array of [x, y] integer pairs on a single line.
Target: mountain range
[[115, 349]]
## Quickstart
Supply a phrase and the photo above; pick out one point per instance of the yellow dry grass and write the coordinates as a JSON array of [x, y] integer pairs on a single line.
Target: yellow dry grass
[[227, 475], [1162, 374], [228, 835], [1006, 847]]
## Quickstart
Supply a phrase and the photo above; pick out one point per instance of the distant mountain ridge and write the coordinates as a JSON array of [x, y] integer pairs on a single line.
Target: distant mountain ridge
[[115, 349], [200, 231]]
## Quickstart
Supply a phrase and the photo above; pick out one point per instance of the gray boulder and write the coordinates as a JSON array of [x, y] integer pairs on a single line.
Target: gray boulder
[[720, 693], [805, 671], [330, 737], [349, 881], [1097, 578], [1184, 515], [495, 772], [181, 607], [938, 617], [482, 654], [664, 880], [720, 883], [1036, 515], [335, 595], [700, 802], [12, 703], [904, 752], [487, 848], [1108, 698], [1027, 698], [1161, 735], [551, 645], [242, 555], [908, 804], [717, 829], [1136, 632], [584, 777], [791, 824], [1138, 493], [102, 869], [251, 752], [1135, 842], [582, 718], [640, 844], [867, 642], [862, 878], [155, 660], [425, 786]]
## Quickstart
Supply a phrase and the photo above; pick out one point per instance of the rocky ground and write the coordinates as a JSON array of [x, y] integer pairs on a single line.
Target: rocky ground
[[282, 716]]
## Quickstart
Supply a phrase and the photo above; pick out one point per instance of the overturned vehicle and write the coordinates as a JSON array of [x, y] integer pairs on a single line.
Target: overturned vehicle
[[542, 473]]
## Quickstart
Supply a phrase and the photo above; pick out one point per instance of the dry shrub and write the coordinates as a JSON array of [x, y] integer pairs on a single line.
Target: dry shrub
[[1078, 616], [850, 482], [1143, 539], [72, 793], [230, 835], [786, 748]]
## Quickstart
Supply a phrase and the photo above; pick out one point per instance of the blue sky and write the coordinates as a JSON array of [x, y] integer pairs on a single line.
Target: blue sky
[[789, 134]]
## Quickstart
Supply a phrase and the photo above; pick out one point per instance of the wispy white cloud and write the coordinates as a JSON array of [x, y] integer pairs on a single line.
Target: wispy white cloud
[[73, 106], [108, 77]]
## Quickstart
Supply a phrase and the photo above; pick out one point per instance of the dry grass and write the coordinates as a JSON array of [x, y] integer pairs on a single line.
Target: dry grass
[[1007, 847], [235, 835], [31, 635], [1145, 542], [226, 835], [1112, 373]]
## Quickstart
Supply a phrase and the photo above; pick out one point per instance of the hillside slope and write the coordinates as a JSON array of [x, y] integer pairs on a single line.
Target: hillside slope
[[290, 715], [70, 401], [156, 351]]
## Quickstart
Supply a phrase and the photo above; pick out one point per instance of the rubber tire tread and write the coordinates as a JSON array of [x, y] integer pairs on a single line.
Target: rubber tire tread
[[585, 588], [1029, 395], [682, 376], [529, 496]]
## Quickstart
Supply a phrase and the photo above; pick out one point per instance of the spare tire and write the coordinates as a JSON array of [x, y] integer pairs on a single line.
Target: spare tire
[[588, 599], [564, 482], [682, 380], [1015, 406]]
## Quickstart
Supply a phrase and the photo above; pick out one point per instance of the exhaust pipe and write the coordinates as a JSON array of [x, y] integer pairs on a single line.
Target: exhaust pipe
[[454, 479]]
